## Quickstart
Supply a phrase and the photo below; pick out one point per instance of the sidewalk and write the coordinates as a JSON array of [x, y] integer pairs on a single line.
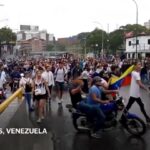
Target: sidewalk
[[25, 142]]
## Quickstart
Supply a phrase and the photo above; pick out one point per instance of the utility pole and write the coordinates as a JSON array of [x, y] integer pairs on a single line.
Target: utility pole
[[136, 53], [102, 50]]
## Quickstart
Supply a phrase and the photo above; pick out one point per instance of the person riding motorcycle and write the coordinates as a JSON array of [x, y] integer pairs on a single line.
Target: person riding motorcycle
[[75, 91], [15, 77], [92, 106]]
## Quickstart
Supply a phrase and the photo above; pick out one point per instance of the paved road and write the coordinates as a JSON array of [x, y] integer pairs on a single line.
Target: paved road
[[64, 137]]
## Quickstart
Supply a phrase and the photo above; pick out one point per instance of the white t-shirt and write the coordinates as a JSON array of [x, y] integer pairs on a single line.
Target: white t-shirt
[[3, 77], [120, 64], [60, 73], [48, 77], [135, 88]]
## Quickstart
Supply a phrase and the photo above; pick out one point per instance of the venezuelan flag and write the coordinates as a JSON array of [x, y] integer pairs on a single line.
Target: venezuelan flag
[[124, 80]]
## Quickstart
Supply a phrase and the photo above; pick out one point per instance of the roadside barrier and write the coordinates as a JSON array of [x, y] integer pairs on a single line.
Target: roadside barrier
[[18, 94]]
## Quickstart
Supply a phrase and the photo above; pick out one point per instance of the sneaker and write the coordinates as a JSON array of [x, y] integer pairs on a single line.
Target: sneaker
[[31, 109], [96, 135], [42, 117], [39, 120], [60, 101]]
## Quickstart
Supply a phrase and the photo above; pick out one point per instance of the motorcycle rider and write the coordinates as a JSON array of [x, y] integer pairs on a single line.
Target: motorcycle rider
[[92, 105], [94, 99], [75, 91], [15, 75]]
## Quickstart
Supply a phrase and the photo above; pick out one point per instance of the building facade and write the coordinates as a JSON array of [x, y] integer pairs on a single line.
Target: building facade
[[143, 46], [31, 39], [31, 45], [147, 24]]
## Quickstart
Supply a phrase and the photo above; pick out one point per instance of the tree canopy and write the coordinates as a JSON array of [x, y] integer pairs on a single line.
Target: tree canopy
[[113, 41], [6, 35]]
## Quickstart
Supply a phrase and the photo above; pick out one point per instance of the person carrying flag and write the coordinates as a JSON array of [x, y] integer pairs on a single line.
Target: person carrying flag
[[135, 86]]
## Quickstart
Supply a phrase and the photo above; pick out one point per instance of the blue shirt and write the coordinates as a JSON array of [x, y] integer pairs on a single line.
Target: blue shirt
[[94, 90], [15, 74]]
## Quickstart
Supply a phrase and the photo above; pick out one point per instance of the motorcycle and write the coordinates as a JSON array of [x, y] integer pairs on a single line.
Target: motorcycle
[[131, 122]]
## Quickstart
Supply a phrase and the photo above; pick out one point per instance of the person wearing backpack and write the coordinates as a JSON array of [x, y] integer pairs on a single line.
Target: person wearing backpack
[[60, 74], [27, 83]]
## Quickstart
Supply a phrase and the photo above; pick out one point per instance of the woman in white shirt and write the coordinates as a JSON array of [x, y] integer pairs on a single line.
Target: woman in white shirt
[[40, 93]]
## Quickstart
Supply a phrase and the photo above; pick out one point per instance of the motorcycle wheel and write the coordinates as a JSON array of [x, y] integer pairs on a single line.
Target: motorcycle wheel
[[80, 124], [135, 126]]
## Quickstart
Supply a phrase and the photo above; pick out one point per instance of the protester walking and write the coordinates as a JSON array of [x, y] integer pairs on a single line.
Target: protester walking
[[27, 83], [60, 74], [135, 95], [40, 94]]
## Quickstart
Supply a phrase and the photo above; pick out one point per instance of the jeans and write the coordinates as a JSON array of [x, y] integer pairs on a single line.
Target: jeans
[[93, 112], [28, 97]]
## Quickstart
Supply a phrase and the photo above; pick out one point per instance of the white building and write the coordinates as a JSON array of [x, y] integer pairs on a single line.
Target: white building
[[51, 37], [20, 36], [143, 46], [28, 32], [43, 35], [28, 36], [147, 24]]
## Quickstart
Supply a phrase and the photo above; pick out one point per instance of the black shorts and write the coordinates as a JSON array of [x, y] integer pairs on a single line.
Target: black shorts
[[39, 97], [50, 88], [60, 86]]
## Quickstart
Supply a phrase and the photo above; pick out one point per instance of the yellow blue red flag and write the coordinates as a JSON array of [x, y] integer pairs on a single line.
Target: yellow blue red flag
[[124, 80]]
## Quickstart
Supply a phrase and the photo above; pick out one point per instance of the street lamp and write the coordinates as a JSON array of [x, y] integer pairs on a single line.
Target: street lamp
[[102, 51], [136, 26]]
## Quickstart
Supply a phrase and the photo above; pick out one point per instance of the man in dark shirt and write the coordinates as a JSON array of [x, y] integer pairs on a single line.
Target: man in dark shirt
[[75, 91], [76, 70]]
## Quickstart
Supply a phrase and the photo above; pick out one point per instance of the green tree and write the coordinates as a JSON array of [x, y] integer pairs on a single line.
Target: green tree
[[116, 40], [117, 37], [93, 40], [134, 28], [112, 41], [60, 47], [7, 37], [50, 47]]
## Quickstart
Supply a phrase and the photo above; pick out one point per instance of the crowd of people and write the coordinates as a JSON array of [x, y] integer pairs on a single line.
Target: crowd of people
[[40, 77]]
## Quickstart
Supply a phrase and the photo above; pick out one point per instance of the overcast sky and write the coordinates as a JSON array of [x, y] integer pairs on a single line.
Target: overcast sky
[[65, 18]]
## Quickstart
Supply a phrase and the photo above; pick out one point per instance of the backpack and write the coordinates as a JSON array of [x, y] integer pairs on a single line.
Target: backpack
[[28, 87]]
